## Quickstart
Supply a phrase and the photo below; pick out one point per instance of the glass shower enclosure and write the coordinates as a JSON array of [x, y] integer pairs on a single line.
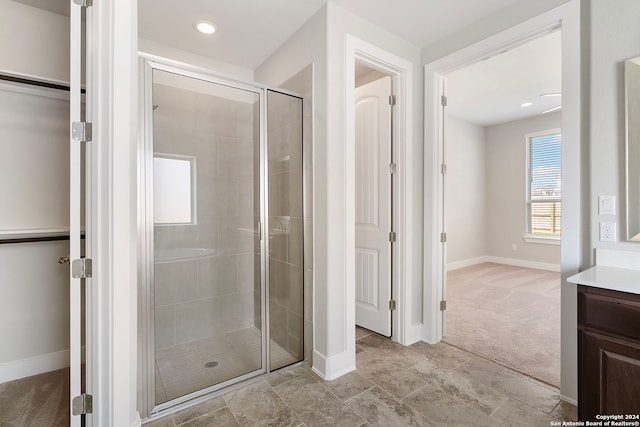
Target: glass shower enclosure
[[221, 282]]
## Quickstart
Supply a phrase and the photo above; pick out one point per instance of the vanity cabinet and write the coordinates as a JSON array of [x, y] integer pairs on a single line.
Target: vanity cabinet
[[608, 353]]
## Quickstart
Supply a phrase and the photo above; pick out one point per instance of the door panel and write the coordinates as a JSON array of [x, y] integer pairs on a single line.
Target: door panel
[[373, 206], [207, 291]]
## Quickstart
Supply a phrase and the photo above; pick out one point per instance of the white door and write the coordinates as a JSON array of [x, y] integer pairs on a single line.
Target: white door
[[80, 271], [373, 206]]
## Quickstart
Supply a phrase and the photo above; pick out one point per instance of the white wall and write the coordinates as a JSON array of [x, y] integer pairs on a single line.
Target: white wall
[[500, 21], [222, 68], [35, 308], [33, 41], [308, 46], [341, 349], [614, 36], [321, 41], [34, 287], [506, 186], [466, 208]]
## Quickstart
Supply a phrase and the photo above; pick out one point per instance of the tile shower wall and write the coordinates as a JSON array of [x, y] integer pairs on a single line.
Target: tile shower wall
[[199, 298], [302, 83], [286, 271], [290, 253]]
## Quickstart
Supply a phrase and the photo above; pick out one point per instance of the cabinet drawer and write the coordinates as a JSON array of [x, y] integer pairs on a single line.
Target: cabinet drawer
[[616, 312]]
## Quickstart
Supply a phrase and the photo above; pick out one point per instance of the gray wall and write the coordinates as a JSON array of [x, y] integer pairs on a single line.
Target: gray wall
[[466, 191], [486, 210], [614, 37], [506, 184]]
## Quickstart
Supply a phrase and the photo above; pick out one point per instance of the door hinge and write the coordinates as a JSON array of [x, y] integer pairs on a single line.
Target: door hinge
[[443, 169], [392, 168], [392, 236], [81, 131], [83, 3], [443, 101], [81, 268], [392, 304], [443, 305], [443, 237], [392, 100], [83, 404]]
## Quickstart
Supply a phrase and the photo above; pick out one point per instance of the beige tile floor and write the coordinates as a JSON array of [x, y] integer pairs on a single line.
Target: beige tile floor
[[420, 385], [182, 369]]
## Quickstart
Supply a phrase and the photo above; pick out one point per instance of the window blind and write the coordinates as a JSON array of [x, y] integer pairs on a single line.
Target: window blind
[[545, 184]]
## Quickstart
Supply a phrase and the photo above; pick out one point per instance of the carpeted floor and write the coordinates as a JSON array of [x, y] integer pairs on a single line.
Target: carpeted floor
[[507, 314], [40, 400]]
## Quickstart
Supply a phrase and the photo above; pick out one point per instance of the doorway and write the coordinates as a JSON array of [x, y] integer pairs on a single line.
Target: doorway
[[502, 208], [404, 330], [567, 17], [374, 199]]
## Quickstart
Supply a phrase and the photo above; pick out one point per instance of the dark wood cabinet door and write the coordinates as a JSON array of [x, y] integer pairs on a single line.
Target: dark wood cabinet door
[[610, 373]]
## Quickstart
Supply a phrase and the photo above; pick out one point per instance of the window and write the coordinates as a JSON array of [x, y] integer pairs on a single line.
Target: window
[[544, 184], [173, 189]]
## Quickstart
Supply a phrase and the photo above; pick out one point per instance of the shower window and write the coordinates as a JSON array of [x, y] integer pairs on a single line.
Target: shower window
[[174, 189]]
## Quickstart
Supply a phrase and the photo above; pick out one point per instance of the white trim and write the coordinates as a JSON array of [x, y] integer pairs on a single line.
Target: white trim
[[451, 266], [330, 368], [23, 368], [112, 62], [505, 261], [401, 70], [567, 16], [541, 239], [569, 400], [524, 263]]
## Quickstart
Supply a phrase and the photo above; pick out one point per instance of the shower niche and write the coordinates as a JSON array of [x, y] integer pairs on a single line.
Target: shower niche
[[221, 234]]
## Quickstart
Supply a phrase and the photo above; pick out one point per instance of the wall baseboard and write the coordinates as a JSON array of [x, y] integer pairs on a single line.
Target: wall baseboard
[[466, 262], [524, 263], [413, 334], [330, 368], [506, 261], [23, 368]]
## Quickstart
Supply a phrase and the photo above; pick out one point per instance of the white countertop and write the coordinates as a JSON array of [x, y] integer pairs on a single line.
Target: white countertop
[[613, 278]]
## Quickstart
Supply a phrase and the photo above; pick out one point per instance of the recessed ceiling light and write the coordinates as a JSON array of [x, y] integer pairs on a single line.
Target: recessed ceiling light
[[550, 94], [205, 27], [526, 104], [552, 109]]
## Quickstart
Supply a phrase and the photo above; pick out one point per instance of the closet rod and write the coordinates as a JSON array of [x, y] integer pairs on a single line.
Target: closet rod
[[34, 82], [49, 85], [35, 239]]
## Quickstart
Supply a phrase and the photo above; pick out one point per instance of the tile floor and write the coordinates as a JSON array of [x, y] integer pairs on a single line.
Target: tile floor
[[420, 385], [183, 369]]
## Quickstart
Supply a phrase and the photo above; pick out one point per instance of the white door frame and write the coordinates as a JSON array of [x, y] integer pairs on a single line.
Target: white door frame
[[401, 71], [567, 17]]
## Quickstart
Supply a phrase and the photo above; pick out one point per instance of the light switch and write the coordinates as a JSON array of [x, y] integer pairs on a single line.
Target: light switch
[[606, 205]]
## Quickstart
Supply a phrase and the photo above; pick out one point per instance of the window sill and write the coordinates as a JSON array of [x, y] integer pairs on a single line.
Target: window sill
[[545, 240]]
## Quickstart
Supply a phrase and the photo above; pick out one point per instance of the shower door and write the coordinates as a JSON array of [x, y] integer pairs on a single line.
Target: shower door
[[204, 245]]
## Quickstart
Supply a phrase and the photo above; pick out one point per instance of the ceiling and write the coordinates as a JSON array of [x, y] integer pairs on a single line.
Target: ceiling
[[492, 91], [249, 31]]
